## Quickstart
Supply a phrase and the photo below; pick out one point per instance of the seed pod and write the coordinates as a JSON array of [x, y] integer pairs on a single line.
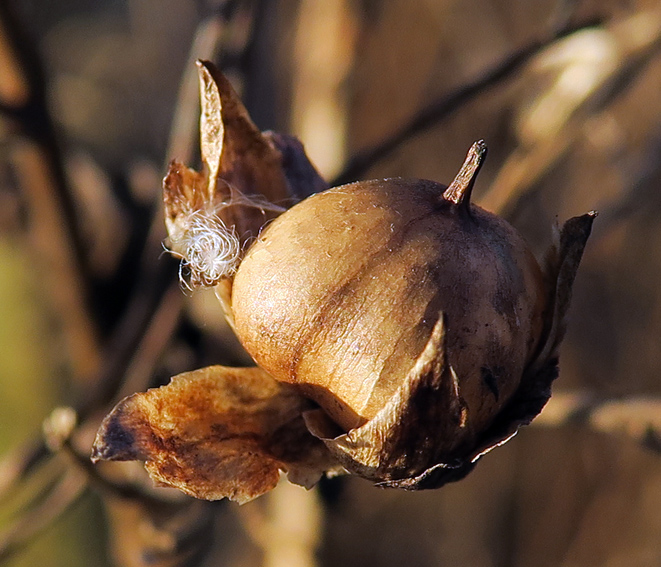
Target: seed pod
[[401, 332], [340, 294], [353, 293]]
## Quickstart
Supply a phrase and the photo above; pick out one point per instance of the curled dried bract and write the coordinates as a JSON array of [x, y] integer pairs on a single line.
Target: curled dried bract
[[216, 432], [250, 177]]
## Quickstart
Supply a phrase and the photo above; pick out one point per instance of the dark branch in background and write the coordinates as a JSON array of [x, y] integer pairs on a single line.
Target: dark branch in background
[[438, 110], [137, 342], [36, 159]]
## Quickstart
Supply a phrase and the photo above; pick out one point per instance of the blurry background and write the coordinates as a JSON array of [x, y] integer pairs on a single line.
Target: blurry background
[[97, 96]]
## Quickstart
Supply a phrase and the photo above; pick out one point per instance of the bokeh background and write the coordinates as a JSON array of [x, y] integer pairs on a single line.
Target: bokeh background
[[97, 96]]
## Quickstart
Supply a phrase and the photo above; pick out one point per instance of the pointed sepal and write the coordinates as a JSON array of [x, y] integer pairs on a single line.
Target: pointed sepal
[[422, 425], [215, 433], [561, 266]]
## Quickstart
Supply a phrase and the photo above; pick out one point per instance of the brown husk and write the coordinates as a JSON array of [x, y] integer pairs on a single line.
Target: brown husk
[[225, 432], [250, 177], [216, 433]]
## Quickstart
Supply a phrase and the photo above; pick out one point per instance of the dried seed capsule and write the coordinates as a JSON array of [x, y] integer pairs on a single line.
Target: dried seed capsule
[[420, 324], [340, 295]]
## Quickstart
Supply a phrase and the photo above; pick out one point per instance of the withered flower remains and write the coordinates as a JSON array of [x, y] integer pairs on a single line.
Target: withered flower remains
[[400, 331]]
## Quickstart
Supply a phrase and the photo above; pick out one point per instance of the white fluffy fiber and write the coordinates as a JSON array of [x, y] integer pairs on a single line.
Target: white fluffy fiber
[[208, 249]]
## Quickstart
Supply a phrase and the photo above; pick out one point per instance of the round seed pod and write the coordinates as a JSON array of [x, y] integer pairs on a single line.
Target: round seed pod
[[420, 324], [341, 293]]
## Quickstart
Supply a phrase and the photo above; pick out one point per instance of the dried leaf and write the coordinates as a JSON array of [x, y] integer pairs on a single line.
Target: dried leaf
[[216, 432], [251, 177]]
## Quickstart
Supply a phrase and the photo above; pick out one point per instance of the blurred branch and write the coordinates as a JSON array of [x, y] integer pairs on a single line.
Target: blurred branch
[[143, 537], [39, 170], [631, 50], [638, 418], [438, 110], [33, 521], [184, 131], [157, 336], [151, 314], [14, 88], [136, 342], [59, 430], [19, 464], [50, 238], [286, 524], [149, 527]]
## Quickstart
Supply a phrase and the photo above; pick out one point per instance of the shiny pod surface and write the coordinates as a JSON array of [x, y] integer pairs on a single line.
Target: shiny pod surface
[[340, 294]]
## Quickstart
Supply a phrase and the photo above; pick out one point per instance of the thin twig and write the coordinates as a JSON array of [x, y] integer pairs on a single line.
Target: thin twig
[[155, 339], [21, 463], [50, 237], [438, 110], [637, 417]]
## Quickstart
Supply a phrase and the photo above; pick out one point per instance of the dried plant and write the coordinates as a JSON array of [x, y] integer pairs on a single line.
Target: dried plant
[[420, 324], [567, 95]]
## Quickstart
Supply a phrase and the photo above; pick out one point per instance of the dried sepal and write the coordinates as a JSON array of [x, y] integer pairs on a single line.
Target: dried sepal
[[216, 433], [209, 250], [184, 190], [237, 155], [250, 178], [561, 266], [562, 261], [212, 130], [303, 179], [423, 424]]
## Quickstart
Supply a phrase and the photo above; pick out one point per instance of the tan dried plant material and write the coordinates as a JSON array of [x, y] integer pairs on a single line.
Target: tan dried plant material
[[401, 332], [249, 178], [216, 432], [420, 323]]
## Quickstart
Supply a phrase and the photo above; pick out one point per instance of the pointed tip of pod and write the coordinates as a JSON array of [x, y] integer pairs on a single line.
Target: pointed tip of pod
[[459, 191]]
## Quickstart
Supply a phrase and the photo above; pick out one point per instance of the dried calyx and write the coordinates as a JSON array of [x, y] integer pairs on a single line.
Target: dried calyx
[[401, 332]]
